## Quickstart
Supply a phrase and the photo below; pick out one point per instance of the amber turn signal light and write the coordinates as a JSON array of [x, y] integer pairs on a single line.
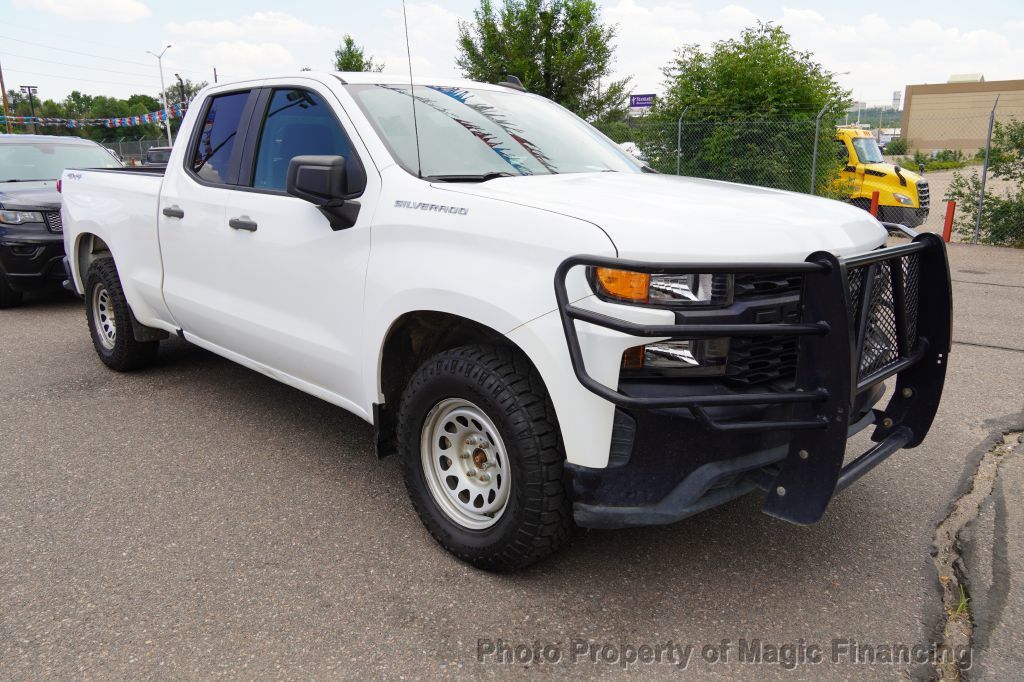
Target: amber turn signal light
[[624, 284]]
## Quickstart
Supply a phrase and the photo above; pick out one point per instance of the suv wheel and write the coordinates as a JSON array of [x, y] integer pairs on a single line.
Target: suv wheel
[[481, 454], [8, 296]]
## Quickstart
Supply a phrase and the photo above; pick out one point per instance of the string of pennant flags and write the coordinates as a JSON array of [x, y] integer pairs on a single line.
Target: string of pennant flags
[[173, 111]]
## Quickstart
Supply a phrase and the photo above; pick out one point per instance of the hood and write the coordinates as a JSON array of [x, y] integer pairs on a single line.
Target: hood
[[889, 169], [665, 217], [30, 198]]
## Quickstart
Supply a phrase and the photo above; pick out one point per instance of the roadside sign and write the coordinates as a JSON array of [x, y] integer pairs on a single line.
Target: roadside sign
[[641, 101]]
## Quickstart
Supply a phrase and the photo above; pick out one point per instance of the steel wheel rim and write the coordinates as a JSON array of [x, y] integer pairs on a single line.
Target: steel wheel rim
[[103, 317], [465, 464]]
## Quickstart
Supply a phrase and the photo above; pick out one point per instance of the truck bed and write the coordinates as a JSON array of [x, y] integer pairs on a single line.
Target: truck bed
[[130, 170]]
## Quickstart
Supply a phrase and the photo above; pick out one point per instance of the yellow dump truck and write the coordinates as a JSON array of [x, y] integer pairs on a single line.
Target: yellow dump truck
[[903, 195]]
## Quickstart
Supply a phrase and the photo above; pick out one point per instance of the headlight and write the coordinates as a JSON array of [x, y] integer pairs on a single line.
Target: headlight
[[903, 199], [693, 289], [19, 217], [676, 358]]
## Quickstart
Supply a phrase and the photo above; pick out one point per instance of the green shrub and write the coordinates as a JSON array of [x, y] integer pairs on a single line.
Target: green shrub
[[1002, 219], [896, 146]]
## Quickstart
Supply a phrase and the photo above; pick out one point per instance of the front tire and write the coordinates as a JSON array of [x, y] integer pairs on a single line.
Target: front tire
[[110, 320], [9, 298], [481, 455]]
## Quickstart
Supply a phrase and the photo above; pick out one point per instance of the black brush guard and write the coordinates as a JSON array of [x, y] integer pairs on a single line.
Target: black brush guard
[[864, 319]]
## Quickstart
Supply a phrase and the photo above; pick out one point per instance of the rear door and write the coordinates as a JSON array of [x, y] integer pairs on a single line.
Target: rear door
[[195, 240], [291, 287]]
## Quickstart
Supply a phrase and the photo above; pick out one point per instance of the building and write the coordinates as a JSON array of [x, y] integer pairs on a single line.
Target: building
[[955, 115]]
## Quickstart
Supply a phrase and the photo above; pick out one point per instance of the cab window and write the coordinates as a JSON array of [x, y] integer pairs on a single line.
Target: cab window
[[211, 156], [297, 122]]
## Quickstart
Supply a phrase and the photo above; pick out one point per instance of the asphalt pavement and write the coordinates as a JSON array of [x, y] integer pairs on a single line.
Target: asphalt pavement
[[198, 519]]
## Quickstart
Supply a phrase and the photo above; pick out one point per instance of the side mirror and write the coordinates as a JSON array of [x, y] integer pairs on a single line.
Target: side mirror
[[320, 180], [860, 169], [323, 182]]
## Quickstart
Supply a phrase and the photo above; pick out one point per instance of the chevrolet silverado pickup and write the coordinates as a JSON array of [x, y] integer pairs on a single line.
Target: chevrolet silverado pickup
[[545, 331]]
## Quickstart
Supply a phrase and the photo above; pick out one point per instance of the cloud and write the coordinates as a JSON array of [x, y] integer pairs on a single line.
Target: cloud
[[882, 55], [116, 11], [433, 33], [275, 26], [240, 59]]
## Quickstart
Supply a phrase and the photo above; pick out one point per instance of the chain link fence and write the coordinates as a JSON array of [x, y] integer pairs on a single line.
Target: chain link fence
[[948, 149], [132, 152]]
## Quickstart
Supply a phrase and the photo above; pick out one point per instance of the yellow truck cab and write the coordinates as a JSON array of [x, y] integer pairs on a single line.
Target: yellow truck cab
[[903, 196]]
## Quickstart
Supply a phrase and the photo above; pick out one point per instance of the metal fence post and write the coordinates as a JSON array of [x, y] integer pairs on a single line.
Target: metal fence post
[[984, 171], [679, 139], [814, 157]]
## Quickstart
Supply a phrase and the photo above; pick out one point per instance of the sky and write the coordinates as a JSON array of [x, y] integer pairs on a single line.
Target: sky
[[100, 46]]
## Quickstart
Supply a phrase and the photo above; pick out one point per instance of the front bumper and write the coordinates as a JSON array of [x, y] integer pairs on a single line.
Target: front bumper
[[903, 215], [32, 261], [864, 319]]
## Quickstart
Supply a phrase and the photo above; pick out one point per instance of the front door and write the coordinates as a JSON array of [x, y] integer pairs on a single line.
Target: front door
[[290, 292]]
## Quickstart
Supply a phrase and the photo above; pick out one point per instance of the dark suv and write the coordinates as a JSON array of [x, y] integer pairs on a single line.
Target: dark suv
[[31, 235]]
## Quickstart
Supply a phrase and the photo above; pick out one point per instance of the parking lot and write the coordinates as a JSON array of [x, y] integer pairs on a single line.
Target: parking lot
[[199, 518]]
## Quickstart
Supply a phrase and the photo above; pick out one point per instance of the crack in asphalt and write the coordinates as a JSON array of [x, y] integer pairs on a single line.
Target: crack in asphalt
[[958, 624], [988, 345], [988, 284]]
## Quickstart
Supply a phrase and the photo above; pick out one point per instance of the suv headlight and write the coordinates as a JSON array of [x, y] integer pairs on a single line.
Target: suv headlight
[[19, 217], [685, 290]]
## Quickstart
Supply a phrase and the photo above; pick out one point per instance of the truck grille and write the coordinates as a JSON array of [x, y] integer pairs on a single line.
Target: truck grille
[[53, 221], [924, 195], [747, 287], [758, 360], [763, 359]]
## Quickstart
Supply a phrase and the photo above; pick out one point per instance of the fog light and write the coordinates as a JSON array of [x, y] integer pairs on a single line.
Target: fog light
[[677, 358]]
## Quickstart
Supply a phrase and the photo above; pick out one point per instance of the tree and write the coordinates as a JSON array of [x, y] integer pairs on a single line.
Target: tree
[[745, 111], [350, 57], [1002, 217], [173, 91], [760, 76], [557, 48]]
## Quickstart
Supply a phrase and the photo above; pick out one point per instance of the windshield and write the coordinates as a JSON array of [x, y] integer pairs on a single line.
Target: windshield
[[867, 150], [47, 160], [473, 133]]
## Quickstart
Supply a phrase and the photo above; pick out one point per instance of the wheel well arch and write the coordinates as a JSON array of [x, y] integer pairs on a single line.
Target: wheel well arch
[[412, 339], [89, 248]]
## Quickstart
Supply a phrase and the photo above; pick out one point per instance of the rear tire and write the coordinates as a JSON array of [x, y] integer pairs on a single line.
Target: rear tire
[[9, 298], [110, 320], [482, 458]]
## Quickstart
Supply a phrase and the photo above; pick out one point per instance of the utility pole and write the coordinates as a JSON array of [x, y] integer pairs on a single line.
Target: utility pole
[[31, 90], [7, 108], [215, 74], [984, 171], [181, 89], [163, 92]]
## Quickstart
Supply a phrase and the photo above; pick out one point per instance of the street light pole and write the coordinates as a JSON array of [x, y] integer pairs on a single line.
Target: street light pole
[[181, 89], [31, 90], [163, 91]]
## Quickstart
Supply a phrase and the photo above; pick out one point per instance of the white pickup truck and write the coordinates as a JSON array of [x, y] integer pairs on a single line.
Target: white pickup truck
[[545, 331]]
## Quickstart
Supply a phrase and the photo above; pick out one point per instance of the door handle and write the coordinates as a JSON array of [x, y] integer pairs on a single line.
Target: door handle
[[174, 212], [243, 222]]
